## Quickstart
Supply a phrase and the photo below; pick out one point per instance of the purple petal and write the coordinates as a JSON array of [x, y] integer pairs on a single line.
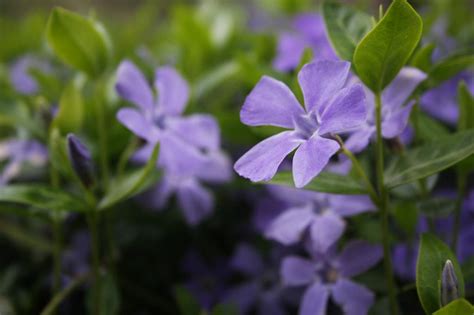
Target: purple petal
[[315, 300], [199, 130], [360, 139], [404, 261], [270, 304], [22, 81], [132, 86], [345, 112], [394, 124], [159, 195], [195, 201], [296, 271], [358, 257], [311, 157], [173, 91], [290, 48], [270, 103], [397, 93], [352, 297], [247, 260], [216, 169], [243, 296], [288, 227], [347, 206], [261, 162], [136, 122], [310, 25], [320, 81], [325, 230]]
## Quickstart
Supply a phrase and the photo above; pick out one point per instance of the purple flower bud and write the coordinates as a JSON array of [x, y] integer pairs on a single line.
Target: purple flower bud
[[81, 161], [449, 284]]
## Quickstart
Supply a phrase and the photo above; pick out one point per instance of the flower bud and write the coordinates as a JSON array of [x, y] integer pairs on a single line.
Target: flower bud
[[81, 161], [449, 284]]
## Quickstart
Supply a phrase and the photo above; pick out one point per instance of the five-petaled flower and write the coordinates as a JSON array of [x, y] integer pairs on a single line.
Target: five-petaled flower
[[330, 108]]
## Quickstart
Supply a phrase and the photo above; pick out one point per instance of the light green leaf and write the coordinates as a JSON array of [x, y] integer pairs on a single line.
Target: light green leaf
[[386, 48], [432, 256], [457, 307], [78, 41], [430, 158], [71, 108], [324, 182], [345, 26], [131, 184], [42, 197]]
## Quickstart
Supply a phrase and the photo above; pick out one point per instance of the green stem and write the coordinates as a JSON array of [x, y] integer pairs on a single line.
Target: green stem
[[383, 207], [92, 221], [102, 135], [57, 248], [458, 209]]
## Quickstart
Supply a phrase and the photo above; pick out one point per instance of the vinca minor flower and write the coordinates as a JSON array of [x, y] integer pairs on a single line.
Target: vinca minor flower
[[329, 108], [22, 80]]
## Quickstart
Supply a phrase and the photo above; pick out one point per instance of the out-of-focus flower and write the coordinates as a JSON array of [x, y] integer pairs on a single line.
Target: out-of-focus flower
[[394, 114], [20, 152], [328, 275], [329, 108], [22, 80], [309, 32], [81, 160]]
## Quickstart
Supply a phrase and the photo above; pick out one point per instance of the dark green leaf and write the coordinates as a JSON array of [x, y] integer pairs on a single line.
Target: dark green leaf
[[41, 197], [430, 158], [466, 107], [405, 214], [71, 108], [457, 307], [225, 309], [422, 57], [468, 270], [429, 129], [131, 184], [110, 295], [386, 48], [78, 41], [432, 256], [436, 207], [187, 304], [449, 67], [324, 182], [345, 26]]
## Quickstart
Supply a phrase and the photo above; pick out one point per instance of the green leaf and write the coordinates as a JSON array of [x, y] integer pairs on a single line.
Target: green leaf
[[131, 184], [449, 67], [78, 41], [345, 26], [187, 304], [430, 158], [457, 307], [405, 214], [466, 107], [468, 270], [386, 48], [429, 129], [225, 309], [432, 256], [41, 197], [110, 295], [436, 207], [422, 57], [71, 108], [57, 153], [324, 182]]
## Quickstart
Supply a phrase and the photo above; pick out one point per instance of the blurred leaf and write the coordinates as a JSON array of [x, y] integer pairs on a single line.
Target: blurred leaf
[[457, 307], [41, 197], [447, 68], [430, 158], [466, 107], [432, 256], [468, 270], [110, 295], [225, 309], [386, 48], [324, 182], [422, 57], [345, 26], [131, 184], [58, 156], [430, 129], [405, 214], [71, 108], [187, 304], [436, 207], [78, 41]]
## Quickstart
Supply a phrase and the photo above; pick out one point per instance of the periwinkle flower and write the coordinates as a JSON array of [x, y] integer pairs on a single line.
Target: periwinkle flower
[[309, 32], [449, 284], [22, 80], [330, 108], [81, 160], [18, 153], [328, 275], [394, 114]]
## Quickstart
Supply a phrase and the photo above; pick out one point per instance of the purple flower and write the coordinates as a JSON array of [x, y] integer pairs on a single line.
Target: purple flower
[[19, 152], [329, 108], [81, 160], [394, 114], [319, 215], [442, 101], [309, 32], [329, 275], [23, 82]]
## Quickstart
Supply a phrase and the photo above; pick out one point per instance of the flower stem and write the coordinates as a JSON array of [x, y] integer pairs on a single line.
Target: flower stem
[[383, 207], [57, 248], [457, 214], [102, 134], [92, 221]]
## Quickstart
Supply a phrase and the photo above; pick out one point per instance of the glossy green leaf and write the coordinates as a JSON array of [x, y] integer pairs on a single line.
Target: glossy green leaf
[[345, 27], [432, 256], [457, 307], [187, 304], [41, 197], [78, 41], [466, 107], [430, 158], [386, 48], [324, 182], [131, 184], [71, 108]]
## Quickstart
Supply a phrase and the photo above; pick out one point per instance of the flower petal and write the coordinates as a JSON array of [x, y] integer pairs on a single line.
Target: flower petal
[[326, 230], [173, 91], [350, 205], [200, 130], [288, 227], [358, 257], [290, 48], [315, 300], [398, 91], [354, 298], [195, 201], [136, 122], [297, 271], [261, 162], [346, 111], [395, 123], [247, 260], [132, 86], [311, 157], [360, 139], [270, 103], [243, 296], [321, 80]]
